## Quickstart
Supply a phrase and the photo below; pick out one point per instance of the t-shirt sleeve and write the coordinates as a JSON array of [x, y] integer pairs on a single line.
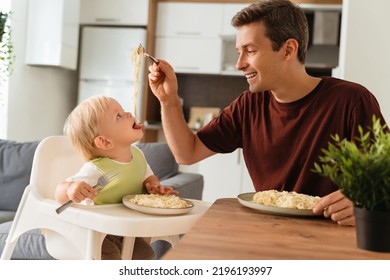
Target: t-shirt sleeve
[[224, 133], [149, 171], [364, 109], [88, 173]]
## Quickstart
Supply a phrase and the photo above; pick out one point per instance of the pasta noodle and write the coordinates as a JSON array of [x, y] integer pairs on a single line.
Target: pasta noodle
[[136, 58], [285, 199], [159, 201]]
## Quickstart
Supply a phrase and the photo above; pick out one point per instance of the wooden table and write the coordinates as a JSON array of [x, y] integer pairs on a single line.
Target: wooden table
[[230, 231]]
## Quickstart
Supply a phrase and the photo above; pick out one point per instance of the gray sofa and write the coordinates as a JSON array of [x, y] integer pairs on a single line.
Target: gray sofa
[[15, 168]]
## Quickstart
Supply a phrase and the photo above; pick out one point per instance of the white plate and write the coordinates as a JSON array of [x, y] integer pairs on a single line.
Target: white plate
[[156, 210], [246, 199]]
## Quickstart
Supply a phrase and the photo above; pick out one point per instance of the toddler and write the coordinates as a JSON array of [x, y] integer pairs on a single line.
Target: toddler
[[103, 133]]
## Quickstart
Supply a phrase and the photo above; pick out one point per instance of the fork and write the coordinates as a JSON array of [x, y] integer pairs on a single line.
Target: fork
[[142, 49], [102, 182]]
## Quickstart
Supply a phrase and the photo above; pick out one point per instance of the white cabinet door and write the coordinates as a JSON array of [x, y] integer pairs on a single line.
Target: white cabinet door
[[189, 19], [188, 36], [52, 33], [229, 51], [114, 12], [246, 181], [222, 176], [191, 55], [106, 52], [229, 10], [120, 90]]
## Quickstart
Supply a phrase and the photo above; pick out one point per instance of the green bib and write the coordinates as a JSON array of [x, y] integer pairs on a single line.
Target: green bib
[[130, 180]]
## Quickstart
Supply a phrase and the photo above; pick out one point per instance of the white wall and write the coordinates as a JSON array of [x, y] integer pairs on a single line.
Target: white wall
[[39, 98], [364, 43]]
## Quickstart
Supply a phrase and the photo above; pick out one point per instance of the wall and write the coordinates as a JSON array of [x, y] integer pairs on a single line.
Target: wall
[[39, 98], [364, 57]]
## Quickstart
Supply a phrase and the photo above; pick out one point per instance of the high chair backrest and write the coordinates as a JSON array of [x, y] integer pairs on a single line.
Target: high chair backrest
[[55, 160]]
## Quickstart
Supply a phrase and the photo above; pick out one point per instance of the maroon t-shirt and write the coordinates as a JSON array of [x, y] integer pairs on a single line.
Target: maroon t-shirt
[[281, 141]]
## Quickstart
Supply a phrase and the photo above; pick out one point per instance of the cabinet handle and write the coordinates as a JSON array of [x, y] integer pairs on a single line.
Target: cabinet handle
[[187, 68], [107, 19], [189, 33]]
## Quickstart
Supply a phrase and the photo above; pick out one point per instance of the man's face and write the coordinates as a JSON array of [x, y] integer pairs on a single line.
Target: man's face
[[260, 64]]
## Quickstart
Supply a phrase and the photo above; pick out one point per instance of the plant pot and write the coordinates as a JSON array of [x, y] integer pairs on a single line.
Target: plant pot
[[372, 229]]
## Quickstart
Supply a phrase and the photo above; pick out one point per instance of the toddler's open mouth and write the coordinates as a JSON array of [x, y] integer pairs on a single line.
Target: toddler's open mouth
[[137, 125]]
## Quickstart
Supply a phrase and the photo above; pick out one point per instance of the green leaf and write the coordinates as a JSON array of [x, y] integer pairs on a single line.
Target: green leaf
[[360, 168]]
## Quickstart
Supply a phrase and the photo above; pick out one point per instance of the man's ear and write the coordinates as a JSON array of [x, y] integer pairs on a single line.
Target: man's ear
[[291, 48], [103, 143]]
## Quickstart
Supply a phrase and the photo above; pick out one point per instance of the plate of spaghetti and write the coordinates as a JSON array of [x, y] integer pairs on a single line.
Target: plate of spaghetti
[[158, 204], [282, 203]]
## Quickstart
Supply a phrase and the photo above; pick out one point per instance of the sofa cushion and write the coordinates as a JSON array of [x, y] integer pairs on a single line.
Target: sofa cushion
[[31, 245], [6, 216], [160, 159], [189, 185], [15, 168]]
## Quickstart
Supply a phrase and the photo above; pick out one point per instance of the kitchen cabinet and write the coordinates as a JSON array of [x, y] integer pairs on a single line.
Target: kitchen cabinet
[[183, 19], [224, 175], [191, 55], [229, 10], [114, 12], [229, 52], [52, 33], [189, 44], [210, 43]]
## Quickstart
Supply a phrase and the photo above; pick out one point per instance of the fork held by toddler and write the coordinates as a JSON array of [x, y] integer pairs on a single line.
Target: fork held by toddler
[[102, 182]]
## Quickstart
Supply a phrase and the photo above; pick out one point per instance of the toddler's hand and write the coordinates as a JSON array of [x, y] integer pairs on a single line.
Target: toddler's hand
[[78, 191], [158, 189]]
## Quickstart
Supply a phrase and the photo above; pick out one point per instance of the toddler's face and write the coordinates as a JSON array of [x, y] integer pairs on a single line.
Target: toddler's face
[[120, 126]]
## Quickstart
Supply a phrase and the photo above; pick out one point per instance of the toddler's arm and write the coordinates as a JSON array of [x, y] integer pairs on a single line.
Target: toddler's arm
[[153, 186], [74, 190]]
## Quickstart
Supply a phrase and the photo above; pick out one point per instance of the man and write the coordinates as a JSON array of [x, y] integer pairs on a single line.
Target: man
[[285, 118]]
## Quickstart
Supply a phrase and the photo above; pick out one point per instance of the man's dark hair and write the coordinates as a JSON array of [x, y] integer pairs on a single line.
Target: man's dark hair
[[282, 20]]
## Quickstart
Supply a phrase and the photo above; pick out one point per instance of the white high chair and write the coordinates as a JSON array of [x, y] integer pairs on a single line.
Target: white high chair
[[78, 232]]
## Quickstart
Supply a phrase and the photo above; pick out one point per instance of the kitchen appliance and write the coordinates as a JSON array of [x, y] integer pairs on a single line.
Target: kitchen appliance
[[106, 64], [324, 40]]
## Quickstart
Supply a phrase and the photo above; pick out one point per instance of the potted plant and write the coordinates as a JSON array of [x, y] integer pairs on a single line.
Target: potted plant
[[7, 56], [361, 169], [3, 20]]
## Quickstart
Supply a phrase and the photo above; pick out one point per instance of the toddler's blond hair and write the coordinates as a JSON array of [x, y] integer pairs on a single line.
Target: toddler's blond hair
[[83, 124]]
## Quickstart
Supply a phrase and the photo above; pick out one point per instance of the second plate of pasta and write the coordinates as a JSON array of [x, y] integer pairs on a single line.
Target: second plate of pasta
[[246, 199]]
